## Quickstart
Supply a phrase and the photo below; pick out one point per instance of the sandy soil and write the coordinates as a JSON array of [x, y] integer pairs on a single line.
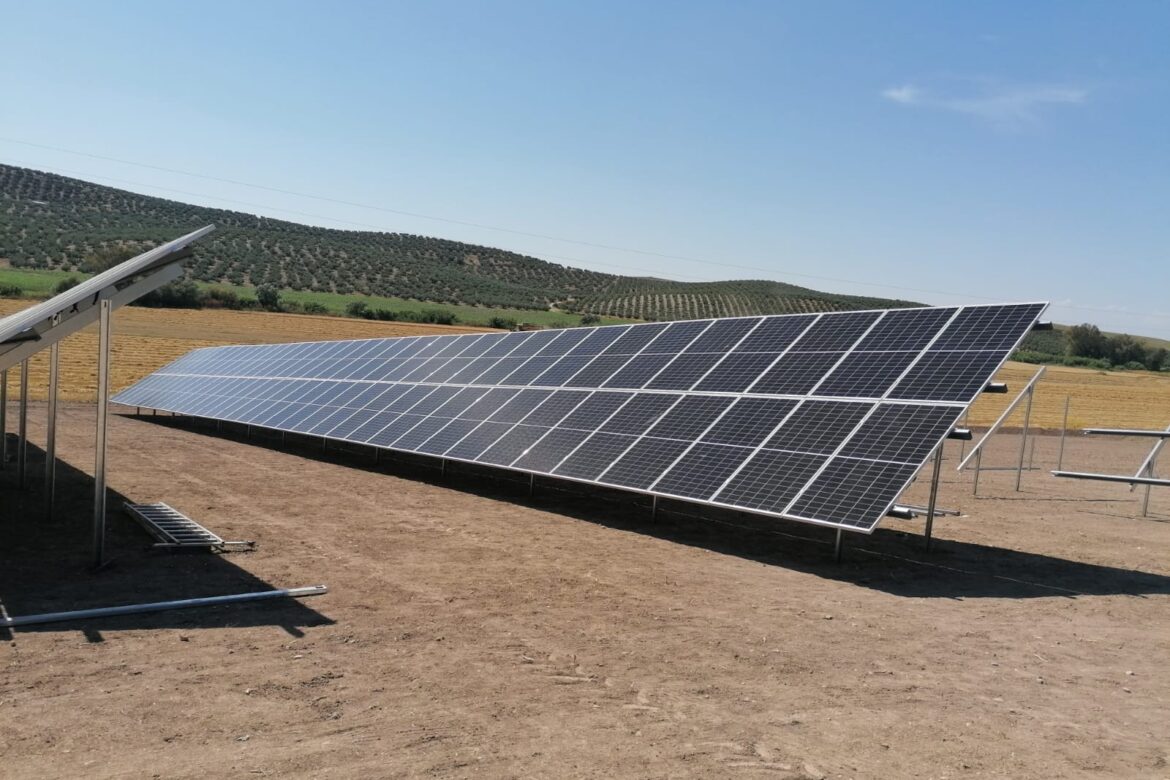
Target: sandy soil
[[473, 631]]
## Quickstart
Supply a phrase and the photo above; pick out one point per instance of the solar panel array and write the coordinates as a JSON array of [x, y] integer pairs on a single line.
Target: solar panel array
[[823, 418]]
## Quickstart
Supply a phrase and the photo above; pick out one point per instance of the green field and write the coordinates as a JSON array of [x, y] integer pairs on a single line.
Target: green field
[[35, 284], [40, 284], [468, 315]]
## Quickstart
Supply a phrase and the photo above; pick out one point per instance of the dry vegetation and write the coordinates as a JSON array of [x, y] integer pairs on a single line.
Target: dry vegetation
[[147, 339], [1111, 399]]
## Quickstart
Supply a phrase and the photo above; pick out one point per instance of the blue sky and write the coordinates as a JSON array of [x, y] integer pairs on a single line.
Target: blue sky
[[940, 152]]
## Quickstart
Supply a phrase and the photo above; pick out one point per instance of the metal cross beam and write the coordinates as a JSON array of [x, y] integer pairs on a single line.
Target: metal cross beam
[[1113, 478]]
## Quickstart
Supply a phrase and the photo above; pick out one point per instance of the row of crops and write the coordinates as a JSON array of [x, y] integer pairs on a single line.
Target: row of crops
[[50, 221]]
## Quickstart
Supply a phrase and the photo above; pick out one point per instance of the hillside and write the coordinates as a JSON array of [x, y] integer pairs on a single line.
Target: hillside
[[51, 221]]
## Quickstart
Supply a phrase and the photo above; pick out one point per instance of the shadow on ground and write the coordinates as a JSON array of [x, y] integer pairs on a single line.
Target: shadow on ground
[[47, 566], [890, 560]]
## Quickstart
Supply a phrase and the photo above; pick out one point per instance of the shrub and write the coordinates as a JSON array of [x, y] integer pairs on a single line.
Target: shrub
[[104, 259], [268, 297], [503, 323], [67, 283], [438, 316], [183, 294], [313, 307], [10, 291], [222, 298], [358, 309], [590, 319], [1087, 362]]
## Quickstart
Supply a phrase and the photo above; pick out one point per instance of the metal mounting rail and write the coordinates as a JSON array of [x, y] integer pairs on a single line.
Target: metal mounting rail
[[939, 511], [173, 529], [160, 606], [1127, 432], [1026, 391], [1113, 478]]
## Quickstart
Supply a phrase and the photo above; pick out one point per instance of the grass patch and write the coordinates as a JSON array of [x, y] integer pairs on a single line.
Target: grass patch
[[36, 284]]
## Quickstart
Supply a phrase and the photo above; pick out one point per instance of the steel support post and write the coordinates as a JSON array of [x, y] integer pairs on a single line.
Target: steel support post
[[1149, 473], [963, 424], [654, 509], [531, 484], [1063, 434], [839, 545], [51, 427], [978, 468], [3, 419], [99, 469], [22, 428], [1024, 437], [938, 458]]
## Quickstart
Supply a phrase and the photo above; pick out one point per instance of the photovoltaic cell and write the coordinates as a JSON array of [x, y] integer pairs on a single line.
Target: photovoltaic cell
[[775, 334], [722, 335], [795, 373], [850, 489], [817, 417], [683, 372], [865, 374], [749, 422], [818, 426], [702, 470], [690, 417], [948, 376], [596, 409], [643, 463], [512, 445], [905, 433], [770, 480], [551, 450], [638, 372], [637, 415], [736, 372], [831, 334], [595, 455]]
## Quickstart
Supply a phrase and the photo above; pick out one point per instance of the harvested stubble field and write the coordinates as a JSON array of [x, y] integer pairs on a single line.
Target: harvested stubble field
[[473, 631], [147, 339]]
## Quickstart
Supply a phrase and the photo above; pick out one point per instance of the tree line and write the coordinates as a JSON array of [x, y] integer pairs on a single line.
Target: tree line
[[1086, 345]]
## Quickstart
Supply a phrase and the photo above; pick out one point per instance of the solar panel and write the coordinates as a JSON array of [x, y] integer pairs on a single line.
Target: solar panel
[[822, 418]]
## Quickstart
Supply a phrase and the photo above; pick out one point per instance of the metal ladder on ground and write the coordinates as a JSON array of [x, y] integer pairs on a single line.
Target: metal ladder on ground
[[174, 530]]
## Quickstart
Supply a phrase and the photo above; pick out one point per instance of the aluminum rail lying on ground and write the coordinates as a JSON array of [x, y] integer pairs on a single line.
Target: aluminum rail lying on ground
[[1113, 478], [160, 606], [1127, 432]]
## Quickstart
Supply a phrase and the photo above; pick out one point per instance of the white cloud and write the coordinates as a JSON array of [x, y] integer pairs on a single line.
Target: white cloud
[[1007, 107], [907, 94]]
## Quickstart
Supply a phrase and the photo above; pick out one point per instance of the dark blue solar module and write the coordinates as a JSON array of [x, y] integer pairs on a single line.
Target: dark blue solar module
[[823, 418]]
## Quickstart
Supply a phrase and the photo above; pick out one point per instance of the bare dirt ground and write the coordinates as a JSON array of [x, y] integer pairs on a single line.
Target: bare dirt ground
[[473, 631]]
